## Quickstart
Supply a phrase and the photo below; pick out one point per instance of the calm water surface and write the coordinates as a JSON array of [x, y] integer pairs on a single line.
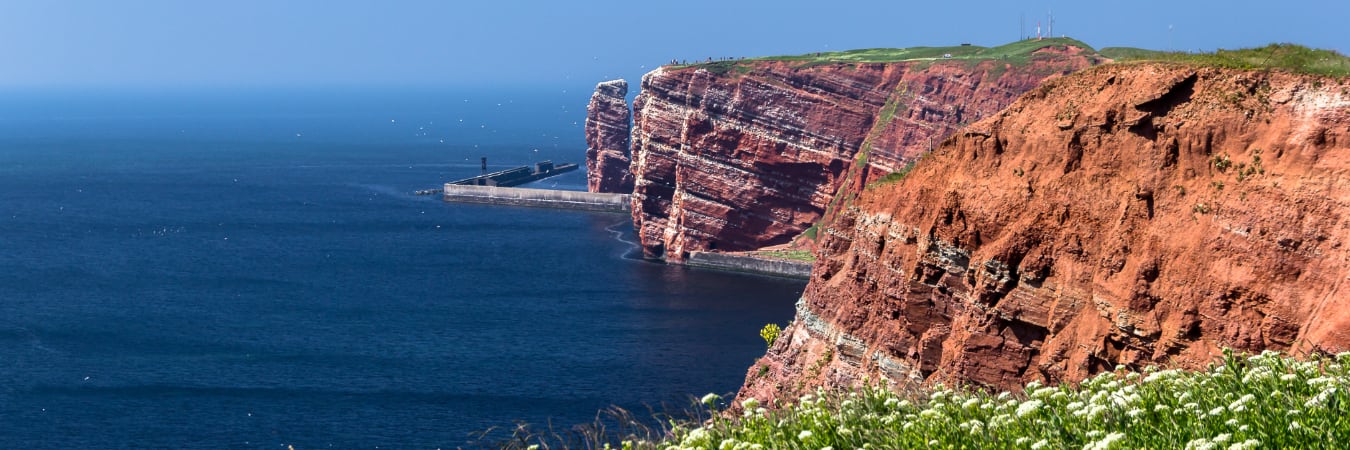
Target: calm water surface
[[248, 270]]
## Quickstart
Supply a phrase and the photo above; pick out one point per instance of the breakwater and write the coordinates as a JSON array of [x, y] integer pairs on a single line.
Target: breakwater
[[546, 198], [516, 176], [751, 264]]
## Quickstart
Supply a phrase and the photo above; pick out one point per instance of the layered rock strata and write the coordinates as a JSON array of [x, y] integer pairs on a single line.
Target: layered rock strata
[[752, 155], [1127, 215], [608, 122]]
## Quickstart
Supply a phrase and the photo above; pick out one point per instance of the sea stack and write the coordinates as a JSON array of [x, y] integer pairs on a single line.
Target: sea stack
[[607, 139]]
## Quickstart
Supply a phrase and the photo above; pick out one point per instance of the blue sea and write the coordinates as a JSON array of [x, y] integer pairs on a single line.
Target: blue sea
[[247, 268]]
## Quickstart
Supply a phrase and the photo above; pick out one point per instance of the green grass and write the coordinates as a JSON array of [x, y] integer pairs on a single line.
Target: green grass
[[893, 176], [1018, 52], [1289, 57], [795, 255], [1239, 402]]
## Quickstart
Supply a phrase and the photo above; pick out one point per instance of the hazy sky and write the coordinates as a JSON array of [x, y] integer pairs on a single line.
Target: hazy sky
[[565, 43]]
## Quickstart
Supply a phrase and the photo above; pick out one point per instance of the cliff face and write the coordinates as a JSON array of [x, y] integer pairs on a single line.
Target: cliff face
[[752, 155], [607, 139], [1128, 214]]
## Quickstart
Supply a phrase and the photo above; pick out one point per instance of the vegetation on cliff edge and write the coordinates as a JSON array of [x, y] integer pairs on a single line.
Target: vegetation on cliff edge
[[1290, 57], [1239, 402], [794, 255], [1017, 53]]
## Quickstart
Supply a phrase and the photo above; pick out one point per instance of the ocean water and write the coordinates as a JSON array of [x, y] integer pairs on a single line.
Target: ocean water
[[248, 269]]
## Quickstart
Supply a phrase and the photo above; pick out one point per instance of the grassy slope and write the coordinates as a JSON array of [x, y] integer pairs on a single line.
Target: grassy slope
[[1290, 57], [1016, 52]]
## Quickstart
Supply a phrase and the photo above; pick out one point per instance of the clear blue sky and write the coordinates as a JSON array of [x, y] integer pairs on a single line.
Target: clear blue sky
[[565, 43]]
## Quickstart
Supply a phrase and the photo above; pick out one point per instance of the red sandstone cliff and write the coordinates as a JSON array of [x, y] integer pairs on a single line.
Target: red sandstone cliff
[[607, 139], [1128, 214], [751, 156]]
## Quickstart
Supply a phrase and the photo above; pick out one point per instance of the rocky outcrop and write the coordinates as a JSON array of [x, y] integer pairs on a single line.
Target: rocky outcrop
[[607, 139], [737, 156], [1127, 215]]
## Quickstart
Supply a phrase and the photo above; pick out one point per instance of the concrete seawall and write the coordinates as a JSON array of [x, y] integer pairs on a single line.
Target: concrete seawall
[[546, 198], [751, 264]]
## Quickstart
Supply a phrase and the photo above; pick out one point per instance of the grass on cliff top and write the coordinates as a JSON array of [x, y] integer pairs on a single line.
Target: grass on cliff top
[[794, 255], [1239, 402], [1018, 52], [1289, 57]]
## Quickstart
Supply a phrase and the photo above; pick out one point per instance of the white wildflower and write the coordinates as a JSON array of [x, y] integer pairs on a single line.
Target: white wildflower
[[1242, 401], [1040, 444], [1161, 375], [933, 443], [804, 435], [696, 437], [976, 426], [1221, 439], [1022, 441], [710, 399], [1216, 411], [1095, 412], [1162, 408], [1200, 444], [1315, 382], [1231, 422], [1134, 413], [1245, 445], [1294, 426], [1288, 377], [1320, 399], [970, 403], [750, 404], [1028, 408], [1105, 443]]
